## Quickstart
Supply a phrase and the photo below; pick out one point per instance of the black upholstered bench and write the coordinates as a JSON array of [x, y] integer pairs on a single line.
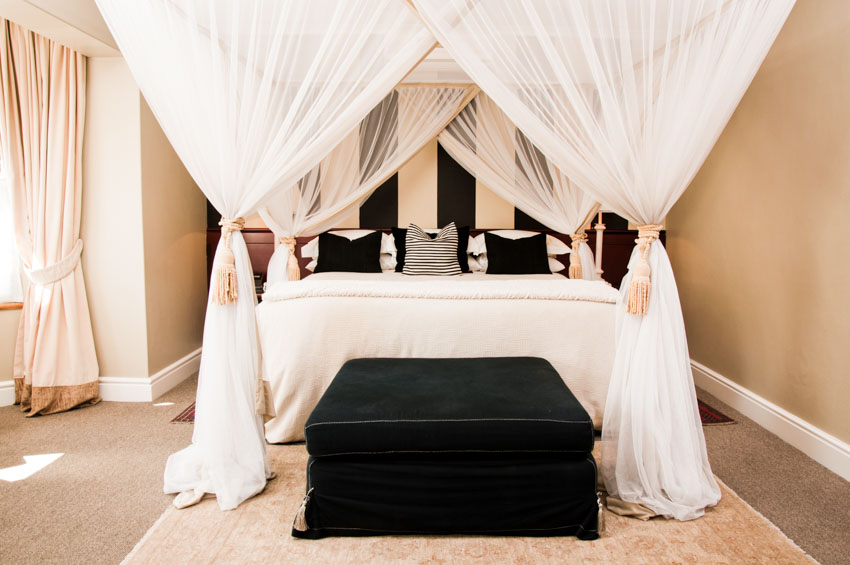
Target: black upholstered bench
[[449, 446]]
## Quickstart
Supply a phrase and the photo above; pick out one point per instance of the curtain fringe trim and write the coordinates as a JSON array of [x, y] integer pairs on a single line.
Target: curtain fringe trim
[[52, 399]]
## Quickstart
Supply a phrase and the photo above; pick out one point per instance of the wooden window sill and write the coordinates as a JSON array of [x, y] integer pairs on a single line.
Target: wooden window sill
[[11, 305]]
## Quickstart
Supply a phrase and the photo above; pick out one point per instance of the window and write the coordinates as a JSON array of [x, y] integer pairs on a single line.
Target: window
[[10, 263]]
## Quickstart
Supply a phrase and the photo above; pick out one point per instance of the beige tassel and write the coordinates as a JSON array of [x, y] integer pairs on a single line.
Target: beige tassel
[[224, 278], [300, 523], [224, 285], [575, 258], [293, 271], [640, 286], [600, 519]]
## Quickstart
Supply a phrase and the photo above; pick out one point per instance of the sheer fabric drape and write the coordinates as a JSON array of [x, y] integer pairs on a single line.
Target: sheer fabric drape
[[393, 132], [490, 147], [252, 95], [43, 101], [627, 98]]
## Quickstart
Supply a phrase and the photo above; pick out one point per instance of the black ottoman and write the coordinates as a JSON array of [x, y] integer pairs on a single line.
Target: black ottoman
[[449, 446]]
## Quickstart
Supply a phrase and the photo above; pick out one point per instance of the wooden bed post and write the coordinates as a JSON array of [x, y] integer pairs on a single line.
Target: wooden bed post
[[600, 228]]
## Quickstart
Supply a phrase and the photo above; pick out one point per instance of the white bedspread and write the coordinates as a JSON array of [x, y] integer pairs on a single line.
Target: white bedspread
[[309, 328]]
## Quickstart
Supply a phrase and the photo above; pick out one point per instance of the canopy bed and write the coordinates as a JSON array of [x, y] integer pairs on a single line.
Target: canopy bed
[[614, 102]]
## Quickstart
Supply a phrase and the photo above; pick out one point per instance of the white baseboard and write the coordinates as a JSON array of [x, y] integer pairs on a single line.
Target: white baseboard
[[824, 448], [125, 389], [7, 393], [129, 389], [174, 374]]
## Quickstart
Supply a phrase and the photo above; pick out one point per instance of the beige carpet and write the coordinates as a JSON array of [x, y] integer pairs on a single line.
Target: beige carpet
[[94, 503], [259, 532]]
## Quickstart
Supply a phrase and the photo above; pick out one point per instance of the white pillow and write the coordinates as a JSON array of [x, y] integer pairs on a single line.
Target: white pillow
[[554, 265], [474, 265], [388, 263], [554, 246], [311, 248]]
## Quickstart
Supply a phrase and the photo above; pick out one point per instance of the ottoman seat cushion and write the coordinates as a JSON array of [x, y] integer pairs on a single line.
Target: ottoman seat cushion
[[511, 404]]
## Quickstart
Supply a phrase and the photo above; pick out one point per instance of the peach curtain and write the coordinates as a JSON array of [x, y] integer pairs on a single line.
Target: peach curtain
[[41, 133]]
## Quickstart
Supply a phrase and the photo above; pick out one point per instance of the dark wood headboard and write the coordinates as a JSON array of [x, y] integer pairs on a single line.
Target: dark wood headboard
[[616, 250]]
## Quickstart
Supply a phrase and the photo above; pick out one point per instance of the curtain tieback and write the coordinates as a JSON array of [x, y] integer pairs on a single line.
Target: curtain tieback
[[224, 284], [641, 283], [575, 259], [293, 271], [59, 270]]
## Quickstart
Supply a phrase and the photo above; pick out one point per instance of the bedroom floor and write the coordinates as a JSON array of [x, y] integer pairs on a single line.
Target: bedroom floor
[[97, 500]]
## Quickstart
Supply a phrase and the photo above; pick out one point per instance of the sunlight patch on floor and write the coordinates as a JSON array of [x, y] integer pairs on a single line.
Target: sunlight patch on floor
[[34, 464]]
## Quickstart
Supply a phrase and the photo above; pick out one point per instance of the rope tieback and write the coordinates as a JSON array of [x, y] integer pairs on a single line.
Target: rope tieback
[[641, 285], [575, 259], [293, 271], [224, 287]]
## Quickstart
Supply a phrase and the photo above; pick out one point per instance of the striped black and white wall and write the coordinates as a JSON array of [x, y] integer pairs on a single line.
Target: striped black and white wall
[[431, 190]]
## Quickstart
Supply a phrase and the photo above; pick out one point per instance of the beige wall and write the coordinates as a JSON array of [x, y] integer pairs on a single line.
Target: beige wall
[[174, 224], [417, 188], [491, 211], [144, 224], [759, 241], [8, 331], [113, 256]]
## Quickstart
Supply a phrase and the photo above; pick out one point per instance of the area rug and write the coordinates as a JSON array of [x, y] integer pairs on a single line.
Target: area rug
[[187, 416], [258, 531], [708, 415]]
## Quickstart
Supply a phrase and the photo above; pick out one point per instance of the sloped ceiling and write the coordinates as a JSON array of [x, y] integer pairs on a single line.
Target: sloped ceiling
[[75, 23]]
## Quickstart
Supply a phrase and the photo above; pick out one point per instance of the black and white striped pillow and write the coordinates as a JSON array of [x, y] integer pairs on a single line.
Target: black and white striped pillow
[[426, 256]]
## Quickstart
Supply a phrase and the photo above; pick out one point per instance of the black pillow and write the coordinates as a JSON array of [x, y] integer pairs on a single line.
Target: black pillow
[[400, 237], [338, 253], [524, 256]]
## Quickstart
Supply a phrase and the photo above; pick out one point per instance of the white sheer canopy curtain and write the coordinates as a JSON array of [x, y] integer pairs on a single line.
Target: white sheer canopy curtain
[[490, 147], [626, 97], [252, 95], [393, 132]]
